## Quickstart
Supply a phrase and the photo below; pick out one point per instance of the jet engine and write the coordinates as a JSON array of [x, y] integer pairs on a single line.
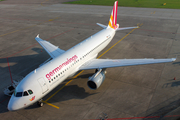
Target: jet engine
[[97, 79]]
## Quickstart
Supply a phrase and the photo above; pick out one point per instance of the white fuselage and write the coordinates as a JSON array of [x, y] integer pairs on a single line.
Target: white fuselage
[[45, 78]]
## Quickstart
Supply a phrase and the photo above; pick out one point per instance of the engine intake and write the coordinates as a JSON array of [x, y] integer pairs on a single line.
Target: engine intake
[[96, 80]]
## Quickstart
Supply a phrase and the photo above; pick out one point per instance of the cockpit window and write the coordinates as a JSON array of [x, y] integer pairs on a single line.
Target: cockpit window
[[25, 93], [15, 92], [19, 94], [30, 92]]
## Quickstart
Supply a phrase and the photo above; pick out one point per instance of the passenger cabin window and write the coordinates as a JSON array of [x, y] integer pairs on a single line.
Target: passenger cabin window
[[25, 93], [30, 92]]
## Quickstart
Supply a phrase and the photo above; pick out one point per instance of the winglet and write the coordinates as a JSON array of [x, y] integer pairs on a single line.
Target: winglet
[[173, 59], [113, 18], [37, 36]]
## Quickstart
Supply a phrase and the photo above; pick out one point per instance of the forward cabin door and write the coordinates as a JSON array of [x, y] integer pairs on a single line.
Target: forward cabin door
[[43, 85]]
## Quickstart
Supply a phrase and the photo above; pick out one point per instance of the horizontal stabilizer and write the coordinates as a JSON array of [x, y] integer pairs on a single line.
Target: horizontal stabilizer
[[125, 28], [101, 25]]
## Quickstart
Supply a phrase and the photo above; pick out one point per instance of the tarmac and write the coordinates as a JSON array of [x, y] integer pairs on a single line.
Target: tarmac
[[140, 92]]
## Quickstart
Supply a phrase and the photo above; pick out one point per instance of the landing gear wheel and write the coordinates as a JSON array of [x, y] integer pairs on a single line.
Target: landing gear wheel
[[40, 103]]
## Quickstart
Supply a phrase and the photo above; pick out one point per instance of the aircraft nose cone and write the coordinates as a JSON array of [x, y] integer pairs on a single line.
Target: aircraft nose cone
[[13, 105], [10, 107]]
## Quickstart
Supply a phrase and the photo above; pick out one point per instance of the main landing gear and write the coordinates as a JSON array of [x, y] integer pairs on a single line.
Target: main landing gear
[[40, 103], [98, 70]]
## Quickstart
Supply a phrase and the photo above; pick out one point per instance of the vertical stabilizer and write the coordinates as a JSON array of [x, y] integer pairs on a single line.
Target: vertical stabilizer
[[113, 18]]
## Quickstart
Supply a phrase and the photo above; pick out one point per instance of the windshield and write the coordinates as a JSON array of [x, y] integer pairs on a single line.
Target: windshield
[[30, 92], [25, 93], [19, 94], [15, 92]]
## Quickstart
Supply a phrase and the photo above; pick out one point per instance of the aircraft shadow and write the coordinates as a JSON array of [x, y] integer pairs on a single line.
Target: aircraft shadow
[[159, 111], [67, 93], [172, 84], [22, 65], [176, 63]]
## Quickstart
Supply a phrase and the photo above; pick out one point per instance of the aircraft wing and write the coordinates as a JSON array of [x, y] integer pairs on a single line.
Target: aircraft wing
[[109, 63], [52, 50]]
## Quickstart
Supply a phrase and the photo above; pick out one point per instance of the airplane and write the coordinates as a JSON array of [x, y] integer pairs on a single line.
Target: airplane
[[65, 64]]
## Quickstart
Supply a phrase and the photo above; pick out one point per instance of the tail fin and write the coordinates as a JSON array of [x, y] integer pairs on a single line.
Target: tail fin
[[113, 17]]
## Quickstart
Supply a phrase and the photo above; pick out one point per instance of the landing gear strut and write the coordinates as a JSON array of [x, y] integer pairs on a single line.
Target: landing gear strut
[[40, 103]]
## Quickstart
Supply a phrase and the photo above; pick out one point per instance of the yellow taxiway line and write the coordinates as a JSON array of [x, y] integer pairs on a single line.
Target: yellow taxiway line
[[50, 104], [64, 86], [116, 43], [44, 2]]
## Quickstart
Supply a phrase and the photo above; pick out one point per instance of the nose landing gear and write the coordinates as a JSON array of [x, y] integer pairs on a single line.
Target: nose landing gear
[[40, 103]]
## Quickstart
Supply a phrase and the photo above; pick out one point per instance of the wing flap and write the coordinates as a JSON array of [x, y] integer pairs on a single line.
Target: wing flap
[[52, 50], [109, 63]]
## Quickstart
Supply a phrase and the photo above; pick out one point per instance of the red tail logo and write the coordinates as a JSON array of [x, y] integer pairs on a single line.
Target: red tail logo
[[113, 17]]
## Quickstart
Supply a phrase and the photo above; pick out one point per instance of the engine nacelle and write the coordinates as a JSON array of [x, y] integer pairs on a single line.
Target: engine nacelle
[[96, 80]]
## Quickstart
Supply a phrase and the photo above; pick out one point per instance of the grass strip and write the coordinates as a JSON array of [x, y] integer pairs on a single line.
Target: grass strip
[[172, 4]]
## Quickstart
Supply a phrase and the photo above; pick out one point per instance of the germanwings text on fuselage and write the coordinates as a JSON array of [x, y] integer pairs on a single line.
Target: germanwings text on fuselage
[[54, 71]]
